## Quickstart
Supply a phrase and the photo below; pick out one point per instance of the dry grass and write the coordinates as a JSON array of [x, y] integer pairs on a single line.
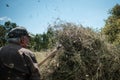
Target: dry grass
[[84, 56], [40, 56]]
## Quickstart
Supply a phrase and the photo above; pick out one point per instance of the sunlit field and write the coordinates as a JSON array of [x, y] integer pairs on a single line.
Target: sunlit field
[[40, 56]]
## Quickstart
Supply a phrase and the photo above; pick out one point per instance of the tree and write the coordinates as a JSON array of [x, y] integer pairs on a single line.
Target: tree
[[9, 25], [112, 26], [45, 41], [51, 37], [115, 10], [4, 29], [38, 42], [2, 35]]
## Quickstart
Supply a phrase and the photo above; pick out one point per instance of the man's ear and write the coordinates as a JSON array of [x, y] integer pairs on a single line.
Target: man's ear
[[22, 40]]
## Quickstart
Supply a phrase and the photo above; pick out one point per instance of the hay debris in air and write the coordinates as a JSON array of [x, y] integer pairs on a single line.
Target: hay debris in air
[[84, 56]]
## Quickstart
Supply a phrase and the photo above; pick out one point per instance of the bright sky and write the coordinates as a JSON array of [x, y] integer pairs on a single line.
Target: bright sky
[[35, 15]]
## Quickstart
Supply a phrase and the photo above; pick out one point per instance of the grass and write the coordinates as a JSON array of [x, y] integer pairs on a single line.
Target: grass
[[40, 56]]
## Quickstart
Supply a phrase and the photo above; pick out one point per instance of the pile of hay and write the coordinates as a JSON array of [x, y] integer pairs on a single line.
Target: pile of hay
[[84, 56]]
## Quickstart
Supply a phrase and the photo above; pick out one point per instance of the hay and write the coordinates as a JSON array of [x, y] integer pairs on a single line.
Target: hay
[[84, 56]]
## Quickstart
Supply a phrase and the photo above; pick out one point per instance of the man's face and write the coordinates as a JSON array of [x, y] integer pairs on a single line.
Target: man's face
[[24, 41]]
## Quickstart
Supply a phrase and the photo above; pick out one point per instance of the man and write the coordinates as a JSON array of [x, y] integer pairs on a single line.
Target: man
[[17, 62]]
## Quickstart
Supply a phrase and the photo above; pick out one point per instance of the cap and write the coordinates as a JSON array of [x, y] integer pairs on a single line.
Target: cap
[[18, 32]]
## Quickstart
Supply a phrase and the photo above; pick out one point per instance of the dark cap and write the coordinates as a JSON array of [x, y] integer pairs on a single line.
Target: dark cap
[[18, 32]]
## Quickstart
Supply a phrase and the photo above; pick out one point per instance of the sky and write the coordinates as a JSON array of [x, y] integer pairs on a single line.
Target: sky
[[36, 15]]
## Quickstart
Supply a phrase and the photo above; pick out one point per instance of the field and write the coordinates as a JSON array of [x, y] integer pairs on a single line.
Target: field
[[40, 56]]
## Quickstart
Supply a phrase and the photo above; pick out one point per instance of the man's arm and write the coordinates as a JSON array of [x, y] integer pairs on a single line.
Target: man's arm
[[32, 66]]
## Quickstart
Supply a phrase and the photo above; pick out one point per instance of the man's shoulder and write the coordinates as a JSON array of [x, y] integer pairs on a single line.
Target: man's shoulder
[[0, 48], [25, 51]]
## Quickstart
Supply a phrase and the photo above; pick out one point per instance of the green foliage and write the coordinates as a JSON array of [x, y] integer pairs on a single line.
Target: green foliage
[[37, 42], [51, 37], [9, 25], [2, 35], [112, 26], [115, 10], [4, 29], [44, 41], [31, 43]]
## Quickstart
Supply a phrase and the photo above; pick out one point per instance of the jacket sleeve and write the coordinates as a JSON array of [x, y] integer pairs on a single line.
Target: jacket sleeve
[[32, 66]]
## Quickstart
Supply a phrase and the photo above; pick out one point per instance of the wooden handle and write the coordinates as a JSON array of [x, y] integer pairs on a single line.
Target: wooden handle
[[51, 54]]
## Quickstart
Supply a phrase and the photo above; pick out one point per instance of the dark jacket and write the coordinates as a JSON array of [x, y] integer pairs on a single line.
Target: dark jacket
[[17, 63]]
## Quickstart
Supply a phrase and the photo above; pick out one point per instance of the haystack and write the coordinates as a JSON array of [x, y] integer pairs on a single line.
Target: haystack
[[84, 56]]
